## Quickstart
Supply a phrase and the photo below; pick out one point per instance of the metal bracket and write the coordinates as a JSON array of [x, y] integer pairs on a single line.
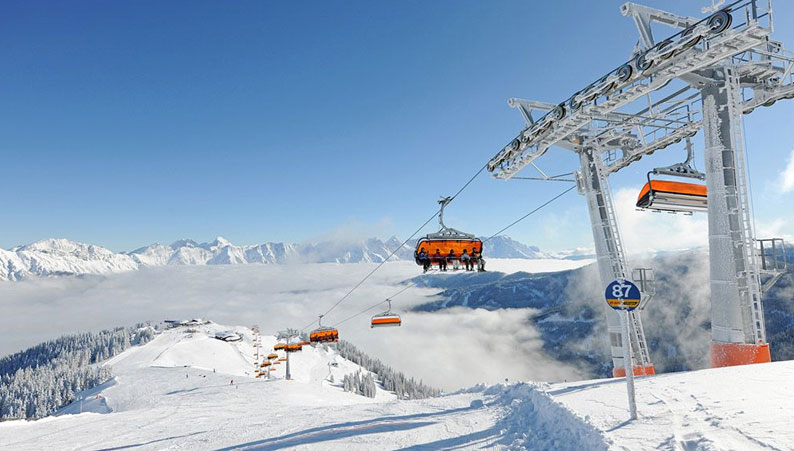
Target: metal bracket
[[772, 253], [645, 280], [643, 17], [684, 169]]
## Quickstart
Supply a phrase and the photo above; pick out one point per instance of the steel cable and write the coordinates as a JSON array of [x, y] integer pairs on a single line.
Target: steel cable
[[361, 282], [485, 241], [404, 289], [530, 213]]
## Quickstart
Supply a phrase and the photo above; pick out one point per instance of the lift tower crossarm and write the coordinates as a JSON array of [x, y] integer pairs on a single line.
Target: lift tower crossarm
[[768, 72], [628, 83]]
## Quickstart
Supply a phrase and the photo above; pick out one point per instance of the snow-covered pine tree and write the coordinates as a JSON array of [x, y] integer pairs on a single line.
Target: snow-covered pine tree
[[388, 378], [359, 384], [38, 381]]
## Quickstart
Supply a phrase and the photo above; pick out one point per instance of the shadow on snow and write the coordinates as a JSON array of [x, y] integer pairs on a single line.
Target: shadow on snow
[[136, 445], [344, 430]]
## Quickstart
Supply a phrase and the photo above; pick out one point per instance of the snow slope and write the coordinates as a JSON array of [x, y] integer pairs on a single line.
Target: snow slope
[[736, 408], [176, 392]]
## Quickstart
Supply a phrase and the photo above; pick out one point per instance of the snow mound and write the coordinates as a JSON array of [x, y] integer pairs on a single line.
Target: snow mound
[[533, 420]]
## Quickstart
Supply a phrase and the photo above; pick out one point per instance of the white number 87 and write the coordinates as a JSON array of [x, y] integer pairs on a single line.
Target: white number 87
[[620, 291]]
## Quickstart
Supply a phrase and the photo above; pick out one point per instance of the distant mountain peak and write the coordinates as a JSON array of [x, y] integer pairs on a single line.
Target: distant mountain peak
[[221, 242], [183, 243], [60, 256], [506, 247]]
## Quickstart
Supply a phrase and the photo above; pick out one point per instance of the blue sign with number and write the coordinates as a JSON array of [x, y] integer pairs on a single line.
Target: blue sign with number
[[623, 295]]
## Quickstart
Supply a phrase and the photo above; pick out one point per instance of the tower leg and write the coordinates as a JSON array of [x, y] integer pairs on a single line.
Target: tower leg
[[737, 322], [611, 264]]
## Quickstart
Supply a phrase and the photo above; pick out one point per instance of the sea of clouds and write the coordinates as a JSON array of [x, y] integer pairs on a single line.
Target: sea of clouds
[[449, 349]]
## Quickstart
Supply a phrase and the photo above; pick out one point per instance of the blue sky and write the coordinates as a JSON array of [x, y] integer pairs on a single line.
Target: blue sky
[[127, 123]]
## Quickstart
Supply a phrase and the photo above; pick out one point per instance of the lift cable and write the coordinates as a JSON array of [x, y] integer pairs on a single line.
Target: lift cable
[[404, 289], [530, 213], [355, 287], [397, 249], [468, 183], [412, 284]]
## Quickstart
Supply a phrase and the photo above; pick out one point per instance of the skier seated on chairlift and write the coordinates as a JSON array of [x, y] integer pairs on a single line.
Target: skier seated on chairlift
[[424, 259], [442, 262], [476, 258], [453, 258], [466, 259]]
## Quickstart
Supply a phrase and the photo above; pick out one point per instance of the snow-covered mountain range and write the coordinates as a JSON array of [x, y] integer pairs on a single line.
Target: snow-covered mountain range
[[59, 257]]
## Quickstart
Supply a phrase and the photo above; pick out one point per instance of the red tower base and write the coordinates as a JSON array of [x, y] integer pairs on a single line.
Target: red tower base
[[638, 371], [732, 354]]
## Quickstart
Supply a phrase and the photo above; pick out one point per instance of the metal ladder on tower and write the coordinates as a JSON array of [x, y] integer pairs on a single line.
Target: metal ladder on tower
[[611, 232], [640, 354], [753, 312]]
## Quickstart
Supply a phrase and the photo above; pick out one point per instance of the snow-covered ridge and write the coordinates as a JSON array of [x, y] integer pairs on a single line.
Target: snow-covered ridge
[[202, 392], [56, 257], [188, 381], [59, 257]]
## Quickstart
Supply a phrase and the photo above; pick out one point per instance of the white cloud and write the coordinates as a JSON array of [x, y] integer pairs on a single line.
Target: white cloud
[[449, 349], [776, 228], [354, 231], [646, 231], [787, 175]]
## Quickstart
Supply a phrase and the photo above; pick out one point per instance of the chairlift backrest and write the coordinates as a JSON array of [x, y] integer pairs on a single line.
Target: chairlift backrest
[[386, 319], [676, 197]]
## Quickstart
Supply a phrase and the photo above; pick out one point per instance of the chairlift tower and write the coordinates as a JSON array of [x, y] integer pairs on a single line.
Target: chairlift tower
[[288, 335], [705, 76]]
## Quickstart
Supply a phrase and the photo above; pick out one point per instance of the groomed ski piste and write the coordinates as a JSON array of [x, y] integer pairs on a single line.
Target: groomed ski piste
[[187, 390]]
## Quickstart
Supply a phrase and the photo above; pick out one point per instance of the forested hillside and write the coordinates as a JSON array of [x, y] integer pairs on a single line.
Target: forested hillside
[[38, 381], [388, 377]]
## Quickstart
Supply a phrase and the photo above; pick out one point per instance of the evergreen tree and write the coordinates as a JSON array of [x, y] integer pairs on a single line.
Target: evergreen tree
[[38, 381], [387, 377]]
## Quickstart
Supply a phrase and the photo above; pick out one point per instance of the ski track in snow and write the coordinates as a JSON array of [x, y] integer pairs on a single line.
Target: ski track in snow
[[737, 408], [165, 394]]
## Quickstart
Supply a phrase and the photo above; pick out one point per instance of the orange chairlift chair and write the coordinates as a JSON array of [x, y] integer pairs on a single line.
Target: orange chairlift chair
[[445, 240], [673, 196], [324, 334], [386, 319], [295, 347]]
